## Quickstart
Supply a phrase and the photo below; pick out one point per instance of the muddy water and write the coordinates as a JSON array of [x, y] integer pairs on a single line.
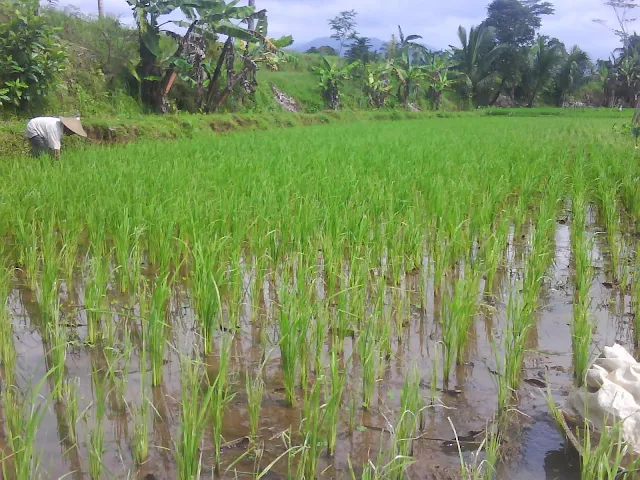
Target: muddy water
[[533, 450]]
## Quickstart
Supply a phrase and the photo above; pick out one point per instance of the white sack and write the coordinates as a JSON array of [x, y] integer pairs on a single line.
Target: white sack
[[616, 375]]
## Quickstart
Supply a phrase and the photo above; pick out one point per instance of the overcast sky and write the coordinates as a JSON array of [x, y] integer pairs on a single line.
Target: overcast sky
[[437, 21]]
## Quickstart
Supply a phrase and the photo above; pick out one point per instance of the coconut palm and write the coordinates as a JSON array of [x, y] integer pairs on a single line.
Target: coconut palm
[[474, 60], [572, 74], [545, 57]]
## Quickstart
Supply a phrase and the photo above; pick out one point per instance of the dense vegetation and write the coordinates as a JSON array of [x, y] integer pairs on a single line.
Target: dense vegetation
[[66, 62]]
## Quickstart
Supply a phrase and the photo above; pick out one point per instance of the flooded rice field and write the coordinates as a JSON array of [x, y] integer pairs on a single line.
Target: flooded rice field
[[381, 301], [532, 449]]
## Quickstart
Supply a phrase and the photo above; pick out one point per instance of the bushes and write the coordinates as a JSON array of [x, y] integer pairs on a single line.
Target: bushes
[[32, 55]]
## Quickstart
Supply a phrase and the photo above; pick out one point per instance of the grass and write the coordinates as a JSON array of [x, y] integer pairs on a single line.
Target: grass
[[313, 244], [20, 459], [194, 412]]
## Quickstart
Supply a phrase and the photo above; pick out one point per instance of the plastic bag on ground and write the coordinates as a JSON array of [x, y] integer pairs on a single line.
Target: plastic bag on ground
[[615, 377]]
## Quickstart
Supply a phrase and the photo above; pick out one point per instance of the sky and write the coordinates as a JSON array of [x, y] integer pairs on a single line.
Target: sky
[[436, 21]]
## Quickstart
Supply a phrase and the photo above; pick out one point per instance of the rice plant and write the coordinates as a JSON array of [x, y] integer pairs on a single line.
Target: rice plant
[[95, 296], [194, 412], [366, 241], [582, 326], [95, 441], [255, 393], [157, 329], [24, 414], [338, 378], [292, 335], [411, 406], [311, 431], [221, 397]]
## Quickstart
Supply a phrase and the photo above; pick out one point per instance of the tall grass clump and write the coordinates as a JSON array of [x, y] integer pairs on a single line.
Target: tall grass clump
[[582, 326], [609, 210], [292, 333], [7, 347], [157, 329], [95, 443], [338, 378], [206, 280], [311, 430], [23, 416], [95, 295], [370, 359], [411, 406], [222, 395], [195, 408], [255, 393], [141, 413], [458, 310]]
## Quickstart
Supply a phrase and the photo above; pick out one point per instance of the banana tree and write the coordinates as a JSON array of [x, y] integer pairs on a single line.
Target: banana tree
[[377, 85], [156, 71], [331, 79], [261, 51], [437, 75], [409, 76], [409, 47]]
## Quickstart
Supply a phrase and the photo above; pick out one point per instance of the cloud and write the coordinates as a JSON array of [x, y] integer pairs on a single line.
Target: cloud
[[437, 22]]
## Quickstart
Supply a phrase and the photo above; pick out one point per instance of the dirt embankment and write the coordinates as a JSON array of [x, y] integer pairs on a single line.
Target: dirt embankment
[[168, 127]]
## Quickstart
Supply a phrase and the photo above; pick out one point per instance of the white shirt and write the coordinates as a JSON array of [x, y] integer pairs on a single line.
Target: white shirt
[[49, 128]]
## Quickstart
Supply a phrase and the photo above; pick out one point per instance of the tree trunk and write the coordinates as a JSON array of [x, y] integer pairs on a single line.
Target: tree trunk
[[170, 75], [495, 99], [100, 9], [227, 91], [213, 82], [149, 88], [532, 100]]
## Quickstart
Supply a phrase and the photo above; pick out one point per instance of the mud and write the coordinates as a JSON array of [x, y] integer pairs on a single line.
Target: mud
[[532, 450]]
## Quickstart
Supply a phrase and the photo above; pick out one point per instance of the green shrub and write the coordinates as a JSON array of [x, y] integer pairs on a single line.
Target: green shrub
[[32, 55]]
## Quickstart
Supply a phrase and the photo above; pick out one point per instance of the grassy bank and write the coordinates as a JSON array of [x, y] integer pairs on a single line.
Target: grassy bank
[[109, 130]]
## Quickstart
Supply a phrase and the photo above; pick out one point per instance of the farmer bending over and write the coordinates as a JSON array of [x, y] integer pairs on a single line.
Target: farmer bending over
[[45, 133]]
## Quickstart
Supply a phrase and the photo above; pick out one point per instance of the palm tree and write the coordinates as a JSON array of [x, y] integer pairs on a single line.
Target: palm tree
[[546, 56], [629, 76], [572, 73], [475, 59], [100, 9]]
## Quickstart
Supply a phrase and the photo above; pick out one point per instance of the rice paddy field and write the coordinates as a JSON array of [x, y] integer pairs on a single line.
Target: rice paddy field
[[376, 300]]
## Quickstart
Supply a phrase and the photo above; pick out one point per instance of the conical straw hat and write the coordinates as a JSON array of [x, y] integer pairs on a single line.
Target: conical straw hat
[[73, 124]]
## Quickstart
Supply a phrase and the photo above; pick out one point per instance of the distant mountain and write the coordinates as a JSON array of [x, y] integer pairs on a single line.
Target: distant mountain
[[376, 43]]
